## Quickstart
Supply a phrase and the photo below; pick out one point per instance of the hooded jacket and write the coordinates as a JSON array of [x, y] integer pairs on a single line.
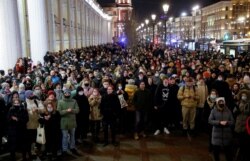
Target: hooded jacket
[[221, 135], [68, 119]]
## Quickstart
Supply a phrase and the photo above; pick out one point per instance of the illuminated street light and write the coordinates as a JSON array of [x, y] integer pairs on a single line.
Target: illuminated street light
[[183, 14], [165, 9], [153, 16]]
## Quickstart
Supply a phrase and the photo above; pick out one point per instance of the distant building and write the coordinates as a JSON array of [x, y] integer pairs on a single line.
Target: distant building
[[215, 20], [240, 18], [121, 11]]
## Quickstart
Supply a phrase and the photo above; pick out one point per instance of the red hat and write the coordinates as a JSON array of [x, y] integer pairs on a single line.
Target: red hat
[[206, 74], [51, 93]]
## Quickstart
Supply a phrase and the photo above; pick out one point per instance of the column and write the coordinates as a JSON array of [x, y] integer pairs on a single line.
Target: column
[[10, 38], [38, 29], [70, 25], [21, 5], [61, 25], [77, 35], [51, 25], [81, 22]]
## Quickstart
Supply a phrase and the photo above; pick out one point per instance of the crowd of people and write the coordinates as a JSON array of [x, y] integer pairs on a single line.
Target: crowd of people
[[137, 91]]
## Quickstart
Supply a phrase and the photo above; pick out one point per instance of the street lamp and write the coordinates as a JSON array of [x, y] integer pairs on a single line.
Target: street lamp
[[153, 16], [146, 22], [159, 31], [170, 21], [165, 9], [142, 26], [195, 9]]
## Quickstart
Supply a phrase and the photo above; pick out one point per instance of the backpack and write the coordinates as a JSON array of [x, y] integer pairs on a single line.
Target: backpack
[[183, 88]]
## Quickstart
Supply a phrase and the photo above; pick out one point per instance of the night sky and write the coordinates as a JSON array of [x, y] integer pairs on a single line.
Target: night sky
[[144, 8]]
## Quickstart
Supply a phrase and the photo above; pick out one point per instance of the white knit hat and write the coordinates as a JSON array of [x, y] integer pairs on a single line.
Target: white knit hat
[[220, 99], [246, 79]]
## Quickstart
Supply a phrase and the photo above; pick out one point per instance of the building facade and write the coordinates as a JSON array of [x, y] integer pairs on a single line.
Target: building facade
[[215, 22], [31, 28], [121, 11], [240, 18]]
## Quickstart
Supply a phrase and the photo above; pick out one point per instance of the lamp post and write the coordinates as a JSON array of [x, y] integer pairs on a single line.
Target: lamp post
[[170, 21], [195, 9], [153, 16], [142, 26], [146, 22], [165, 9], [159, 31]]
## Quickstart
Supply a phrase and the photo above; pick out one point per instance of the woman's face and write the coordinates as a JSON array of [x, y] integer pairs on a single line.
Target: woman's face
[[235, 87]]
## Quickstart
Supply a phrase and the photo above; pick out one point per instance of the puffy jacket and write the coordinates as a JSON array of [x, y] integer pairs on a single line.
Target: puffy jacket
[[34, 116], [242, 113], [221, 135], [188, 97]]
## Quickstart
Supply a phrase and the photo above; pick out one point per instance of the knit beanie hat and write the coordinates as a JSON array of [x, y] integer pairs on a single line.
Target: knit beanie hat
[[28, 93]]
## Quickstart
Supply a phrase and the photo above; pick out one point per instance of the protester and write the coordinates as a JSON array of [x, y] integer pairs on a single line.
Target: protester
[[68, 108], [222, 121], [110, 109]]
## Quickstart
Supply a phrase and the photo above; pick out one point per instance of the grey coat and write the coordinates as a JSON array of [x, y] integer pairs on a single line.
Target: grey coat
[[221, 135]]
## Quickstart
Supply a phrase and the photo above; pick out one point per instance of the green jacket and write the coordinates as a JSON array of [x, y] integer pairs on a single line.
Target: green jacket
[[68, 119]]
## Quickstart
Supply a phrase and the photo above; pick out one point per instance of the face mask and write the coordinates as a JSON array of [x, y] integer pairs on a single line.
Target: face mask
[[63, 75], [58, 90], [120, 87], [16, 105], [37, 92], [81, 93], [50, 109], [220, 79], [221, 105], [212, 96], [66, 96], [244, 98]]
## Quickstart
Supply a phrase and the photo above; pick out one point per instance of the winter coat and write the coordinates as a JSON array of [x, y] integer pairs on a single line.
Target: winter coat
[[202, 92], [83, 104], [110, 107], [221, 135], [17, 129], [68, 119], [3, 116], [188, 102], [161, 98], [34, 116], [242, 112], [95, 112], [130, 89], [52, 129], [142, 99]]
